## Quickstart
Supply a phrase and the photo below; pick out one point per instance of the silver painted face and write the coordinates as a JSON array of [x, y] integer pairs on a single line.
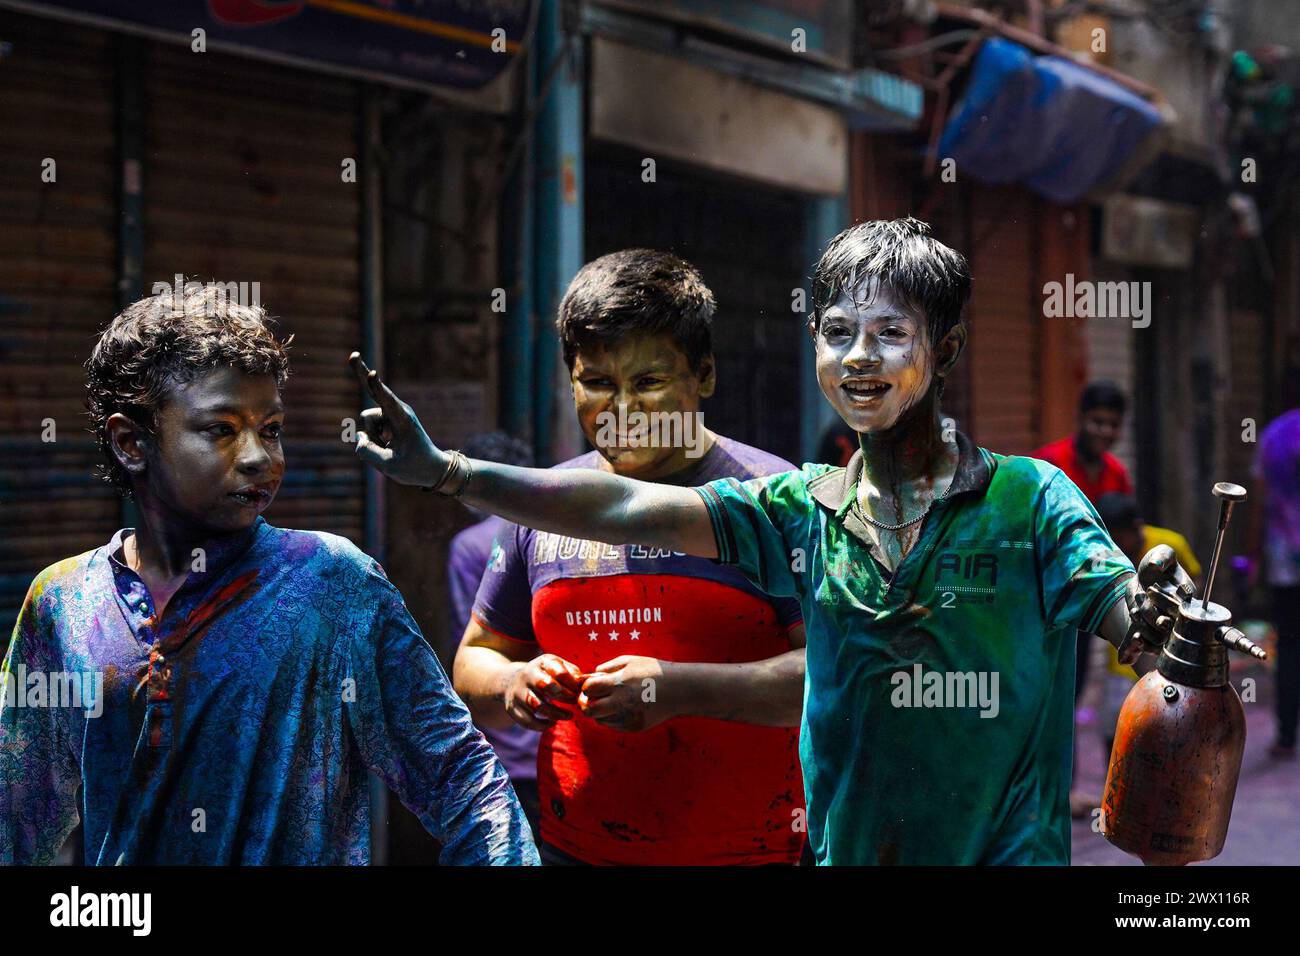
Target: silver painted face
[[874, 360]]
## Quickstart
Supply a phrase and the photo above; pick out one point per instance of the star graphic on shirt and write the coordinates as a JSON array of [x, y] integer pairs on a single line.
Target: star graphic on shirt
[[636, 635], [613, 635], [592, 635]]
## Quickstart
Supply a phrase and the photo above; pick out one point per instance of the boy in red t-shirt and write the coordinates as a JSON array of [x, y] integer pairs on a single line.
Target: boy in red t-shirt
[[667, 689]]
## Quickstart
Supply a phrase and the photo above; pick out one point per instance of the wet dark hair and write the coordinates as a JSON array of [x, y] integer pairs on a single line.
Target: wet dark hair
[[637, 292], [168, 340], [902, 254], [1118, 511], [1103, 395]]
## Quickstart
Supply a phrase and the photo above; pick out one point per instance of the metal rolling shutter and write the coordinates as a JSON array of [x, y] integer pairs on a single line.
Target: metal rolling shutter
[[729, 230], [242, 183], [1110, 356], [947, 219], [57, 289], [1004, 312]]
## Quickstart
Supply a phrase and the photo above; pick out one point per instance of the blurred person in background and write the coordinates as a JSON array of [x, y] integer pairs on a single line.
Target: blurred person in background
[[1085, 456], [467, 559], [1086, 459], [1275, 538]]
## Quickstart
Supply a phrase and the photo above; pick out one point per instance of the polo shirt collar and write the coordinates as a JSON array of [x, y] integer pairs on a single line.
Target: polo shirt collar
[[837, 488]]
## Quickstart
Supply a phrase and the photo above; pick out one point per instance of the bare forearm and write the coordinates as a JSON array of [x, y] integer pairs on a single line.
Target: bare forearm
[[580, 503], [585, 503], [481, 678], [767, 692]]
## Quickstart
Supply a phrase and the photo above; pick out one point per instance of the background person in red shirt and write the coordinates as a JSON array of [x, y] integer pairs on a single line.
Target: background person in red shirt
[[1086, 460], [1085, 456], [666, 688]]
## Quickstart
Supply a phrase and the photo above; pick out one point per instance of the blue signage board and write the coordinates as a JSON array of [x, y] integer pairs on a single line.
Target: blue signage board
[[456, 43]]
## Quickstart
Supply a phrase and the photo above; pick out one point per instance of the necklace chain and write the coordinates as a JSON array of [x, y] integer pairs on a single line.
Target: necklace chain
[[906, 524]]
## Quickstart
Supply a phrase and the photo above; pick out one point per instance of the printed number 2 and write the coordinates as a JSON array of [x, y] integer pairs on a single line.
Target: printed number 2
[[948, 599]]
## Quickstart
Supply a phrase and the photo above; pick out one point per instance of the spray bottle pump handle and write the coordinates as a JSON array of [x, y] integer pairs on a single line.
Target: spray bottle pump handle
[[1228, 494]]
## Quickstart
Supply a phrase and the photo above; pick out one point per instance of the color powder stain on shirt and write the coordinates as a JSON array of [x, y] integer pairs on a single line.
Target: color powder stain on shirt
[[695, 790], [276, 678], [945, 784]]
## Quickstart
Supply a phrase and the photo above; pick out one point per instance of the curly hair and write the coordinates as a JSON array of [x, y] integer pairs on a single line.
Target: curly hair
[[167, 340]]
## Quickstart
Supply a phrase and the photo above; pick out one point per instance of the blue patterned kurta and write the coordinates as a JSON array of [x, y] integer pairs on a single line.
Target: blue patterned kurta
[[239, 729]]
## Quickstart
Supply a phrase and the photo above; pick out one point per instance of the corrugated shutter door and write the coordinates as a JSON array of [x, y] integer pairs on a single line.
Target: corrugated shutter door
[[724, 227], [1003, 315], [946, 225], [243, 183], [57, 289], [1110, 357]]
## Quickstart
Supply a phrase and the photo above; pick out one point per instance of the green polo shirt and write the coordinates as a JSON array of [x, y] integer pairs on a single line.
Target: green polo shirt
[[938, 702]]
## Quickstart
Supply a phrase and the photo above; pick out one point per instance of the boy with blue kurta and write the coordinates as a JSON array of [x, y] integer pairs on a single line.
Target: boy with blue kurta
[[244, 677]]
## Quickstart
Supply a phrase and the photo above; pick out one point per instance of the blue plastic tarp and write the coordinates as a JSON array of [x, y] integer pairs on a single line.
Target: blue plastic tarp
[[1047, 122]]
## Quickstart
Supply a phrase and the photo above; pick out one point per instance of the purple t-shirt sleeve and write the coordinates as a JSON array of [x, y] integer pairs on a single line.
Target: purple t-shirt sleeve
[[504, 602], [463, 575], [788, 611]]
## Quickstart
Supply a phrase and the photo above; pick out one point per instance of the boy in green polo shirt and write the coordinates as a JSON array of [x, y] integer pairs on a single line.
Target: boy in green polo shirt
[[941, 584]]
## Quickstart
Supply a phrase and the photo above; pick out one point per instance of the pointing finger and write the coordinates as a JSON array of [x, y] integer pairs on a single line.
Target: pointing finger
[[390, 403], [362, 372], [380, 392]]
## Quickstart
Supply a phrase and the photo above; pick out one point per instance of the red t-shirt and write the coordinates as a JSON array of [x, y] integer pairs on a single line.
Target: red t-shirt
[[1112, 477], [691, 790]]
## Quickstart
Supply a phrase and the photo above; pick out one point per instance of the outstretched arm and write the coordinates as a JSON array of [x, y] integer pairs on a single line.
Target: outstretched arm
[[576, 502]]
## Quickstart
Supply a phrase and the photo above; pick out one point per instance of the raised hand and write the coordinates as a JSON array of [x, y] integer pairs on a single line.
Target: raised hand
[[390, 437]]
